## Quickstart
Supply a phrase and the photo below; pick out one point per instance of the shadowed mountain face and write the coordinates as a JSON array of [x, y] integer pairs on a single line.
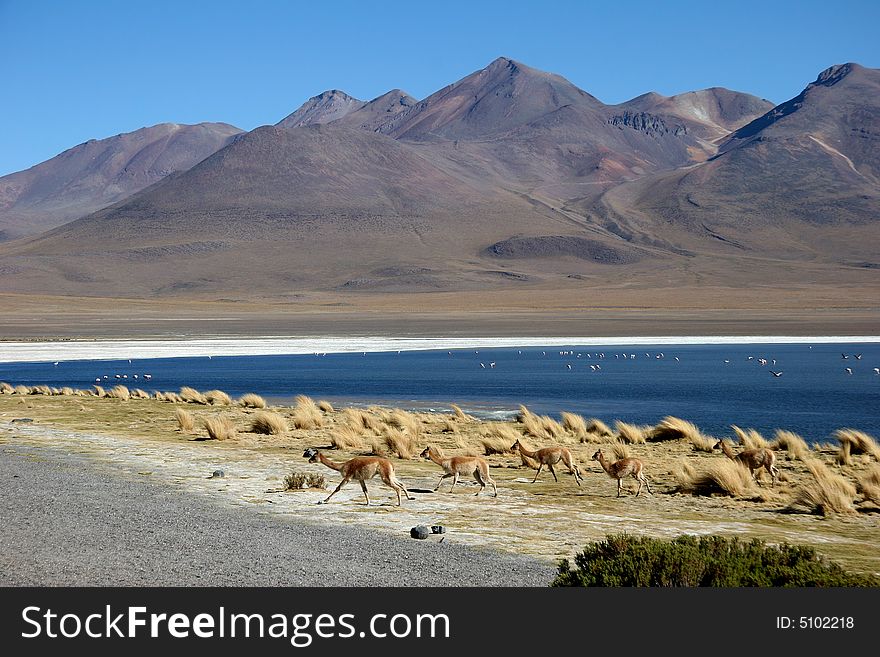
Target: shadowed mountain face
[[509, 177], [100, 172]]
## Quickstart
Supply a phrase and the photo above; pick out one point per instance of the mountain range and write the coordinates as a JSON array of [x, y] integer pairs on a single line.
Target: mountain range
[[509, 178]]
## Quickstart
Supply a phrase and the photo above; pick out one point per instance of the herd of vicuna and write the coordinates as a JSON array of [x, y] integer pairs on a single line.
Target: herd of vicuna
[[364, 468]]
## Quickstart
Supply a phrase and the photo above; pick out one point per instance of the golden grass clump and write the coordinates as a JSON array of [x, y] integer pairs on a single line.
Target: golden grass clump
[[41, 390], [99, 391], [703, 443], [192, 396], [218, 398], [674, 428], [448, 426], [533, 425], [869, 485], [495, 445], [357, 418], [347, 437], [719, 478], [220, 427], [460, 415], [853, 441], [119, 392], [597, 427], [827, 493], [268, 422], [137, 393], [306, 414], [251, 400], [67, 391], [185, 420], [56, 391], [400, 443], [6, 389], [159, 396], [173, 397], [631, 433], [575, 424], [792, 443], [621, 451], [551, 427], [749, 438], [22, 390], [325, 406], [498, 437], [407, 422]]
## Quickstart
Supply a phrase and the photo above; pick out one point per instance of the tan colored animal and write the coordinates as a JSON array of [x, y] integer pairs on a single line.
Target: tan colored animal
[[753, 459], [549, 456], [456, 466], [628, 467], [360, 468]]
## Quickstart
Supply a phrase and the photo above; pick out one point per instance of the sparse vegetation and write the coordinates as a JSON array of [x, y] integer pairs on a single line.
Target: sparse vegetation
[[192, 396], [853, 441], [869, 485], [631, 433], [268, 422], [597, 427], [251, 400], [6, 389], [717, 478], [406, 422], [828, 493], [621, 451], [220, 427], [185, 420], [325, 406], [674, 428], [119, 392], [98, 391], [303, 480], [400, 443], [347, 437], [218, 398], [306, 414], [460, 415], [358, 418], [792, 443], [623, 560]]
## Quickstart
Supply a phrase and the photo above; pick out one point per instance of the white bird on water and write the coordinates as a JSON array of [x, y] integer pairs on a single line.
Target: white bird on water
[[568, 366], [776, 374], [877, 370], [56, 363], [848, 370]]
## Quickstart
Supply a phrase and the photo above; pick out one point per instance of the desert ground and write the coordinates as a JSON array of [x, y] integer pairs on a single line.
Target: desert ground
[[823, 497]]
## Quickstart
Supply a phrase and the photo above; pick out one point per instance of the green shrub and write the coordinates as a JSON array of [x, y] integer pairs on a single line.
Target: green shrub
[[623, 560]]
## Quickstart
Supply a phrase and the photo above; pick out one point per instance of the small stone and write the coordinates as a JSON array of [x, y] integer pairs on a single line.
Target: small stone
[[438, 529], [420, 532], [217, 474], [23, 419]]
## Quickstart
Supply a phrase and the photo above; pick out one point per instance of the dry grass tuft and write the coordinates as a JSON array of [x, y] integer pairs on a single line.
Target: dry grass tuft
[[631, 433], [749, 438], [853, 441], [399, 443], [347, 437], [869, 485], [41, 390], [24, 390], [407, 422], [621, 451], [99, 391], [719, 478], [599, 428], [792, 443], [138, 393], [6, 389], [460, 415], [703, 443], [67, 391], [218, 398], [495, 445], [575, 425], [173, 397], [362, 420], [551, 427], [306, 414], [185, 420], [192, 396], [325, 406], [267, 422], [448, 426], [220, 427], [302, 480], [159, 396], [828, 493], [251, 400], [497, 437], [674, 428]]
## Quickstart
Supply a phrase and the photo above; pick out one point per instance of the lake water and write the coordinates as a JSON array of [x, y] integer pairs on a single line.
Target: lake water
[[713, 386]]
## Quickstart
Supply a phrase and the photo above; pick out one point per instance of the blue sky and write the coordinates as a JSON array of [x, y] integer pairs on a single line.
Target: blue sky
[[79, 70]]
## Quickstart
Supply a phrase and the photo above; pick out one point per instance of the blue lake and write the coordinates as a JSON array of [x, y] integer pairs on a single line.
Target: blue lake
[[713, 386]]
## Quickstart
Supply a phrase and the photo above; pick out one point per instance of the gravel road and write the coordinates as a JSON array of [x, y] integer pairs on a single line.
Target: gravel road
[[68, 521]]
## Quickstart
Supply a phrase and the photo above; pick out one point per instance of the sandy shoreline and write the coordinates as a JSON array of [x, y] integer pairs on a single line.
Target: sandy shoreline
[[52, 350]]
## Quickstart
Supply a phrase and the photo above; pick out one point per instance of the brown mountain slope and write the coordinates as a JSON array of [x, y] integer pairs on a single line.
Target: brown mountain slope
[[100, 172], [323, 108], [800, 182]]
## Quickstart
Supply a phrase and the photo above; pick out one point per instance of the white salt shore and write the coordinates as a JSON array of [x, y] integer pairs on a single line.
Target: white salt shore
[[11, 352]]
